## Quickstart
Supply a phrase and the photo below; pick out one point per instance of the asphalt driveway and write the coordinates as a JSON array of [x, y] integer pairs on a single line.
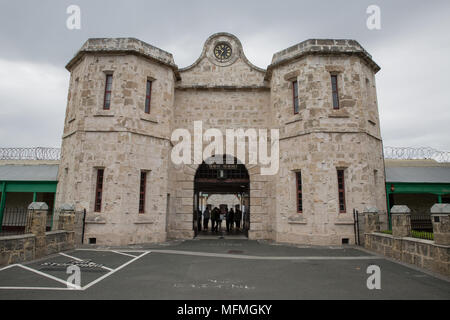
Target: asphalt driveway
[[217, 269]]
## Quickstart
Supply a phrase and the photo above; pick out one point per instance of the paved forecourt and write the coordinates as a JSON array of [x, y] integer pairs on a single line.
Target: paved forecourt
[[216, 269]]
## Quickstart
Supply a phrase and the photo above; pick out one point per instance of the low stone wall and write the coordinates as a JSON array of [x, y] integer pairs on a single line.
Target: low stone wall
[[14, 249], [422, 253], [20, 248], [36, 243], [59, 241]]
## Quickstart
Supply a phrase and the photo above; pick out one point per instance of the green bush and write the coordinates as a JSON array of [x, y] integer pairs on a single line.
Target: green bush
[[422, 235]]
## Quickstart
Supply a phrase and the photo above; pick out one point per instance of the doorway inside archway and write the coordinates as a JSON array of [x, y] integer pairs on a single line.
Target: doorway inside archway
[[221, 198]]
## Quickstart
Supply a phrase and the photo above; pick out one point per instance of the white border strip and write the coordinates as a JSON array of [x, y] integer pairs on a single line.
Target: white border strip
[[125, 254]]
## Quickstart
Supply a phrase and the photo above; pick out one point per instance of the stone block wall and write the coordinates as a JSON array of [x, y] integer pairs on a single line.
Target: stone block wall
[[21, 248], [427, 254], [36, 243], [223, 94], [16, 249], [422, 253]]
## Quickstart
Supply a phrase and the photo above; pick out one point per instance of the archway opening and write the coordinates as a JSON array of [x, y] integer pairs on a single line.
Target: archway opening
[[221, 198]]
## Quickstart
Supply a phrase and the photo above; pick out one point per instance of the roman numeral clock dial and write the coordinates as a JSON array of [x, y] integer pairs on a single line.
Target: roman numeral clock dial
[[222, 52]]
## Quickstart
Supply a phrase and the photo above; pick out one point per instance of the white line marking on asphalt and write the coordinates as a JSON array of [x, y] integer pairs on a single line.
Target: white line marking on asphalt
[[73, 287], [109, 250], [49, 276], [113, 271], [7, 267], [74, 258], [36, 288], [235, 256], [125, 254], [78, 259]]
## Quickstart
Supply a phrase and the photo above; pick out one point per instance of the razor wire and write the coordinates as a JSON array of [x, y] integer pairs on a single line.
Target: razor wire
[[37, 153], [416, 153], [399, 153]]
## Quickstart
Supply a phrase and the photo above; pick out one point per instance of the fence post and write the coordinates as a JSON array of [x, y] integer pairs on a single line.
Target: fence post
[[66, 218], [36, 224], [401, 221], [440, 217], [371, 220]]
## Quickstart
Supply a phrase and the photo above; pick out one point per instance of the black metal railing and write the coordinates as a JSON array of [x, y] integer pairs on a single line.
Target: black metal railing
[[14, 221], [421, 222]]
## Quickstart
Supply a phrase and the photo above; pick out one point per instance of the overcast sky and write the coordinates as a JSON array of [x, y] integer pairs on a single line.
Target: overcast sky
[[412, 48]]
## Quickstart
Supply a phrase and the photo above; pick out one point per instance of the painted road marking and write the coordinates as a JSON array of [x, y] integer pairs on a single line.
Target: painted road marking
[[78, 259], [69, 285], [113, 271], [125, 254]]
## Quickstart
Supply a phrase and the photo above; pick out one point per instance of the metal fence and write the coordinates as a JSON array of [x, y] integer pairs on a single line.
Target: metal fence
[[15, 221], [421, 222]]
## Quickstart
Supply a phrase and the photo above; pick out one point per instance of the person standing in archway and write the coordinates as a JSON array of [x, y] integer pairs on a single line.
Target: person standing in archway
[[206, 216], [230, 220], [238, 218]]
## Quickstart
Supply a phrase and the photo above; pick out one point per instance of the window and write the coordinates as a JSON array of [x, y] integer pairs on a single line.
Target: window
[[334, 90], [299, 192], [142, 192], [148, 96], [295, 96], [108, 88], [341, 190], [99, 190]]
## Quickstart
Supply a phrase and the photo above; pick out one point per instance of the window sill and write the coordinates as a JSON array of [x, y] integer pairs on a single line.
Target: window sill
[[149, 118], [294, 121], [344, 222], [298, 219], [143, 222], [104, 113], [339, 114]]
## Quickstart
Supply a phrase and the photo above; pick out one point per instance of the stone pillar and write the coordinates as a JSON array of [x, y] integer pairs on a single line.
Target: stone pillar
[[440, 217], [371, 220], [66, 218], [36, 224], [401, 221]]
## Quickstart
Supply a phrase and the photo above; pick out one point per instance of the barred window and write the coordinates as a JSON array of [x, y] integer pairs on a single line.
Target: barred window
[[148, 96], [108, 89], [341, 190], [295, 96], [334, 90], [299, 192], [99, 190], [142, 190]]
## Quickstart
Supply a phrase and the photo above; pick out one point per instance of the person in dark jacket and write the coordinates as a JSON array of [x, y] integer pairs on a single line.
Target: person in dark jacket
[[206, 217], [230, 220], [238, 218]]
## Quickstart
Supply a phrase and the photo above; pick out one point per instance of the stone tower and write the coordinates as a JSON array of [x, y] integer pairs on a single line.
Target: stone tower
[[332, 132]]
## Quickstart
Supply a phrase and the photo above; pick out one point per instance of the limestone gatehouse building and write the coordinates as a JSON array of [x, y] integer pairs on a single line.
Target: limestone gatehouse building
[[126, 98]]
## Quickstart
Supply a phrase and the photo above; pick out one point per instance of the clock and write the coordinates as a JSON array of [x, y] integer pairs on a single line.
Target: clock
[[222, 52]]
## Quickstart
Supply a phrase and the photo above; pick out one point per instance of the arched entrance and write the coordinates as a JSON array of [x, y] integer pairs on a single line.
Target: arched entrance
[[226, 178]]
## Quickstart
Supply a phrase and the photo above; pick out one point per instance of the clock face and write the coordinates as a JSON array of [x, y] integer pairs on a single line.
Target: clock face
[[222, 52]]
